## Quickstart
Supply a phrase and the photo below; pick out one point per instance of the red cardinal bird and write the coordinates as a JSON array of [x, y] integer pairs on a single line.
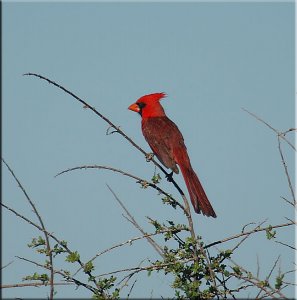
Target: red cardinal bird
[[168, 145]]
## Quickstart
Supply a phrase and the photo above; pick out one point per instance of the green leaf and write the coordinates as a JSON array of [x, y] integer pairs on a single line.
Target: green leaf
[[227, 253], [279, 281], [156, 224], [264, 283], [270, 234], [116, 294], [88, 267], [36, 242], [237, 270], [73, 257], [156, 178], [39, 277], [63, 243]]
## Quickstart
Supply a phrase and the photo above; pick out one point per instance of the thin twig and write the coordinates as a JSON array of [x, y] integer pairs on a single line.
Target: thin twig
[[130, 241], [268, 276], [36, 284], [273, 267], [60, 272], [61, 243], [132, 287], [236, 236], [284, 244], [280, 135], [273, 129], [149, 239], [48, 247], [139, 180], [208, 265], [30, 222], [258, 266], [286, 170], [289, 202], [289, 130], [147, 268], [127, 278], [246, 236], [5, 266], [256, 281]]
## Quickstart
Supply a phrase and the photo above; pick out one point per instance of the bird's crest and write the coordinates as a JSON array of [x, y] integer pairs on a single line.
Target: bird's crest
[[152, 97]]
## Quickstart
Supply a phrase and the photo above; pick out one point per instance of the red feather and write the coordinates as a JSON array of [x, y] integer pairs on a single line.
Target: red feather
[[168, 145]]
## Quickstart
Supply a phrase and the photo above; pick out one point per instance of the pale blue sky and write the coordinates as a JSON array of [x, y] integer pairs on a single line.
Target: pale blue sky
[[210, 58]]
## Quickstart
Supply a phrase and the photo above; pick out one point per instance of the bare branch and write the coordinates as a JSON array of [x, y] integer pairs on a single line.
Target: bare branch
[[286, 169], [149, 239], [128, 296], [258, 267], [289, 130], [61, 243], [256, 282], [139, 180], [8, 264], [268, 276], [289, 202], [62, 273], [282, 135], [35, 284], [273, 267], [130, 241], [248, 233], [48, 247], [284, 244], [147, 268]]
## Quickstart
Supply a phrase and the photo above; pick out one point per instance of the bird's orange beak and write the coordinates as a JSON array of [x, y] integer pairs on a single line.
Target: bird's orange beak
[[134, 107]]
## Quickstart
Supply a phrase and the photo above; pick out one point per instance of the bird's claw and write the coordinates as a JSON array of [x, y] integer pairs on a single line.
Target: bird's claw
[[149, 156], [169, 176]]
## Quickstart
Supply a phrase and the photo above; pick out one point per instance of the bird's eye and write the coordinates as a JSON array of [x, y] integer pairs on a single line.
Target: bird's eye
[[141, 105]]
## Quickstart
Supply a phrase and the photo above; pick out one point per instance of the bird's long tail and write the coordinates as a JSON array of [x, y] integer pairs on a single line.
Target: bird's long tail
[[197, 194]]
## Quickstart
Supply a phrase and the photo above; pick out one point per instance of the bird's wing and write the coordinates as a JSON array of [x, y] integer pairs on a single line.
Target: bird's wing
[[160, 133]]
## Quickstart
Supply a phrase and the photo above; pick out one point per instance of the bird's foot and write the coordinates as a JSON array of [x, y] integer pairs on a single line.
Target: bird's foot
[[149, 156], [169, 176]]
